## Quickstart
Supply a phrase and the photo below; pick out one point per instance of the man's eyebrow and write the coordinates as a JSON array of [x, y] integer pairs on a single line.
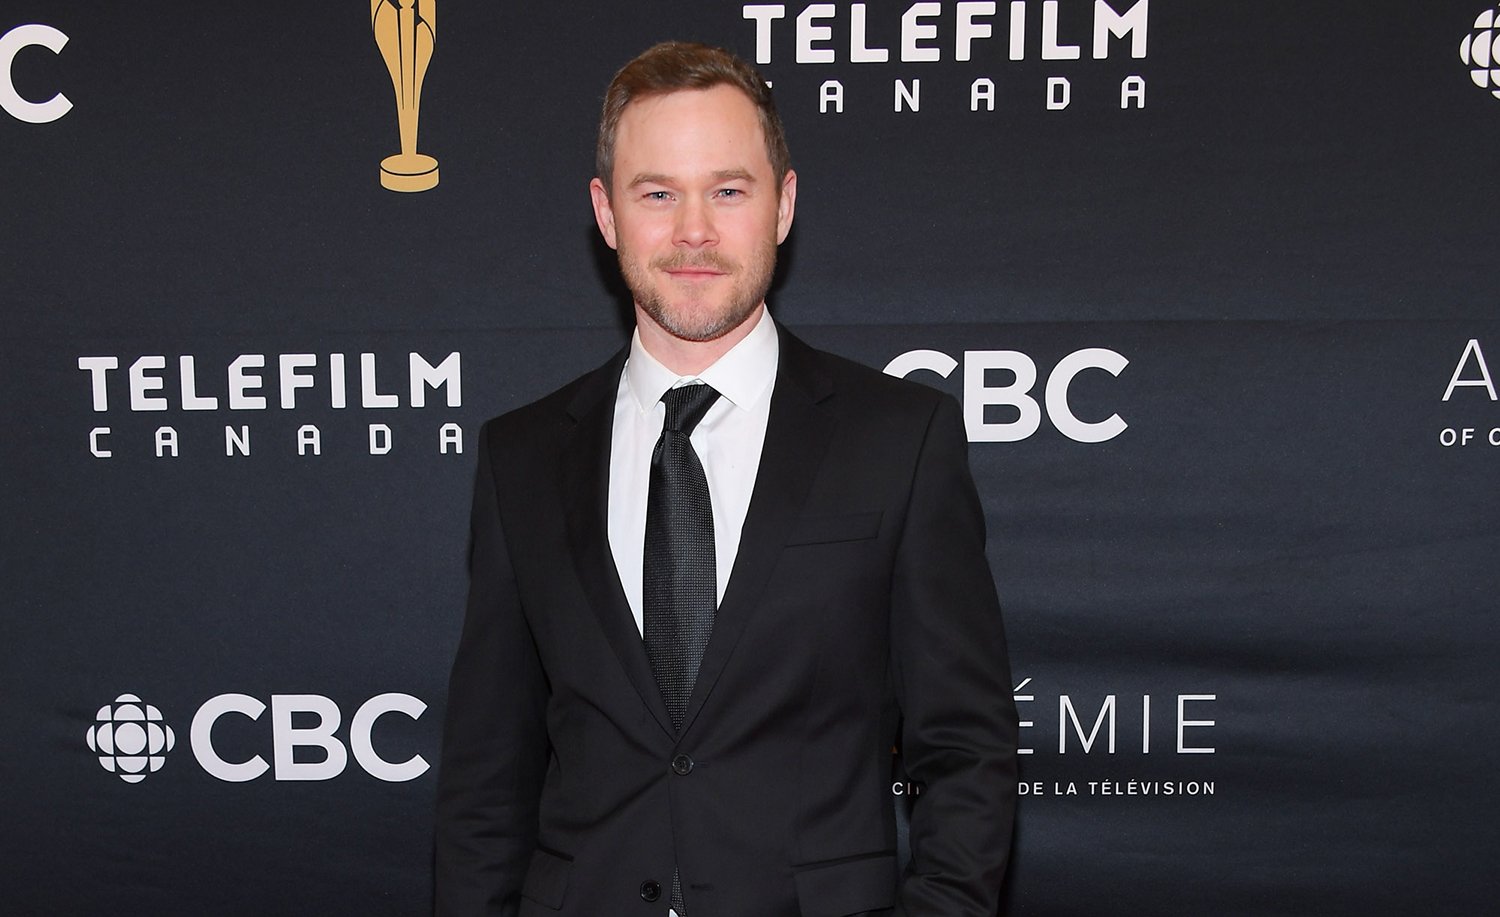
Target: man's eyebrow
[[649, 178], [659, 178]]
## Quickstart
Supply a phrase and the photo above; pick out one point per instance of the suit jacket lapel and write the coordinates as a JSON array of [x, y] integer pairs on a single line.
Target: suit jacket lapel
[[586, 497], [797, 436]]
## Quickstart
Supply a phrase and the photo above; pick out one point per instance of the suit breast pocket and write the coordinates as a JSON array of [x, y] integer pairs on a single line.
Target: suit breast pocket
[[829, 529]]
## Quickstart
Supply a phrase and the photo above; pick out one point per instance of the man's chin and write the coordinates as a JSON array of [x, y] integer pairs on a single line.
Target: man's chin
[[699, 329]]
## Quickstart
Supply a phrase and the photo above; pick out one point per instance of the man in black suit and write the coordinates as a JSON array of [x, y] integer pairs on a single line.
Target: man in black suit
[[716, 580]]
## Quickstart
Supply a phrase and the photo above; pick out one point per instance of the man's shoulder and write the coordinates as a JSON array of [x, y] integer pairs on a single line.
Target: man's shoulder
[[564, 406], [857, 384]]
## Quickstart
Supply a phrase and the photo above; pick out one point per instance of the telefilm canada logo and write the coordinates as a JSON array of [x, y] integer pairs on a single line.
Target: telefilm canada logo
[[831, 37], [131, 738], [1480, 52], [176, 393]]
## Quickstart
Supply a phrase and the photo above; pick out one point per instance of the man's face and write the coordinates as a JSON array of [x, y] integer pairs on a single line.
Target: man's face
[[694, 210]]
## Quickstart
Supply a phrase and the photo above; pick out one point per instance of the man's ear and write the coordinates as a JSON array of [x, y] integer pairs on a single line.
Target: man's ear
[[786, 207], [604, 214]]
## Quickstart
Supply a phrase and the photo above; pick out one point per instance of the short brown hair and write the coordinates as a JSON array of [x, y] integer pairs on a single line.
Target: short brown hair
[[673, 66]]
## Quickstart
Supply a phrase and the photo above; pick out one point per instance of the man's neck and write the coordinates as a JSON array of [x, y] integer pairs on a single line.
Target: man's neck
[[690, 358]]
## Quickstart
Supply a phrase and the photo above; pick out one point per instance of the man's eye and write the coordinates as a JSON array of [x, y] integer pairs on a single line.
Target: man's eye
[[658, 195], [730, 192]]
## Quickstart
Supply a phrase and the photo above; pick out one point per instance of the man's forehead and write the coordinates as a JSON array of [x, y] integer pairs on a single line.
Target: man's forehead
[[693, 132], [717, 101]]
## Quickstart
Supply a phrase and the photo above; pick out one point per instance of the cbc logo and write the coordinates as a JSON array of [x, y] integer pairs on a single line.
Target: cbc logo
[[11, 43], [285, 737], [1480, 52], [131, 738], [978, 394]]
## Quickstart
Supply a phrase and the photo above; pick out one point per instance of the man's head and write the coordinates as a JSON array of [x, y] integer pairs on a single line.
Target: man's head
[[674, 66], [693, 191]]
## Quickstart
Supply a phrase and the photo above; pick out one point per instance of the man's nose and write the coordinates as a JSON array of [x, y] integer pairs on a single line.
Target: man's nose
[[695, 224]]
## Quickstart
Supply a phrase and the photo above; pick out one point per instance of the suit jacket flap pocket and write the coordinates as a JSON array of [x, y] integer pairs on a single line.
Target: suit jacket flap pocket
[[850, 886], [547, 878], [827, 529]]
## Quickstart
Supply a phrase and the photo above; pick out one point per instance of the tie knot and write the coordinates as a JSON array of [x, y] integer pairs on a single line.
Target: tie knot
[[686, 405]]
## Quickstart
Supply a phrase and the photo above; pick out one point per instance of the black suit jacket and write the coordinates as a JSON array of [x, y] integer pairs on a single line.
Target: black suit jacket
[[860, 614]]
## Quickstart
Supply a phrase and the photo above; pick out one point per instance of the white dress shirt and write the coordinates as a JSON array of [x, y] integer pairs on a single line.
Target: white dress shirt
[[728, 441]]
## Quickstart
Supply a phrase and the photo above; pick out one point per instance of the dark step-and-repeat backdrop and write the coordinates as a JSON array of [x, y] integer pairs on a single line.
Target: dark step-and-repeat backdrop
[[1216, 283]]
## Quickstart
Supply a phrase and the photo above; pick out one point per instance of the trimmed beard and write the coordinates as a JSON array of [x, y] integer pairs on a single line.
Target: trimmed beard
[[749, 284]]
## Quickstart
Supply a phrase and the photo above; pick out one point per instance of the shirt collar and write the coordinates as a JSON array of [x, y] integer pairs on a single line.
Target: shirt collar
[[742, 376]]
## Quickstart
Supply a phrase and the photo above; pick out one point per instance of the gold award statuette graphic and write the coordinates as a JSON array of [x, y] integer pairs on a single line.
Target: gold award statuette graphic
[[404, 32]]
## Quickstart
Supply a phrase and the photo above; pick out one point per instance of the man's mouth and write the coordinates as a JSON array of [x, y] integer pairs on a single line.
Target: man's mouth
[[695, 268]]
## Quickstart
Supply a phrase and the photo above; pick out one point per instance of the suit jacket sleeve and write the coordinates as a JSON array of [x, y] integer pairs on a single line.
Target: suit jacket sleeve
[[959, 729], [495, 747]]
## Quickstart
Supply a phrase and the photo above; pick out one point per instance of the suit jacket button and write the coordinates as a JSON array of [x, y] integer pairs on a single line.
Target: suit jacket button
[[650, 890], [682, 765]]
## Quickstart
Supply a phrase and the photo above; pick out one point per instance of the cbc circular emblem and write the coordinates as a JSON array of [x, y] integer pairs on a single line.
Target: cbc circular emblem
[[130, 738], [1480, 52]]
